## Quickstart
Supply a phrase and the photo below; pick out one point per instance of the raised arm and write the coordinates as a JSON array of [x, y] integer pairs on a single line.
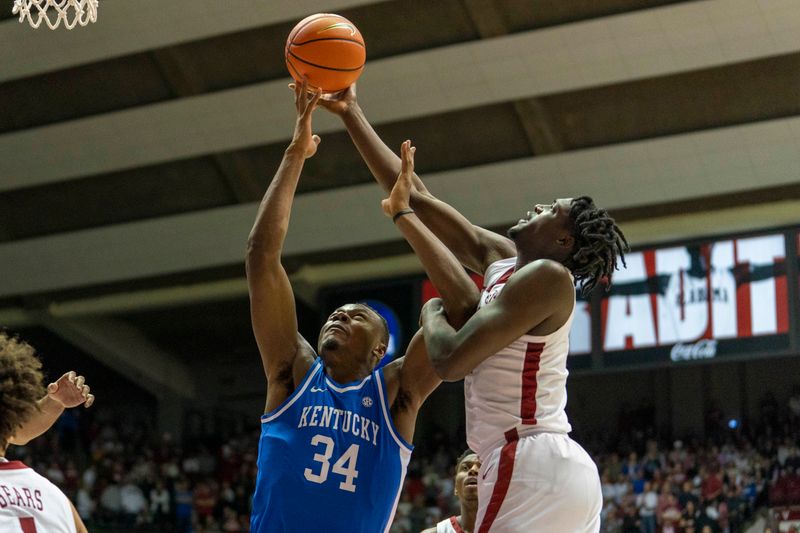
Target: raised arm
[[476, 248], [459, 293], [416, 376], [285, 355], [70, 390]]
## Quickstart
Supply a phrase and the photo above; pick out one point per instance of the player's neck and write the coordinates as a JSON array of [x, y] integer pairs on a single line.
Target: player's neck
[[467, 519], [345, 374]]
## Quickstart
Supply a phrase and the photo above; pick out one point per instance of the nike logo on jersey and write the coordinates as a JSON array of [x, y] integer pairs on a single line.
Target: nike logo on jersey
[[317, 389]]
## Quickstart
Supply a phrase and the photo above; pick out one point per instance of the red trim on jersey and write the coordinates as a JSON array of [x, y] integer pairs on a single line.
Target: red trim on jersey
[[12, 465], [27, 524], [504, 472], [456, 525], [506, 275], [530, 369]]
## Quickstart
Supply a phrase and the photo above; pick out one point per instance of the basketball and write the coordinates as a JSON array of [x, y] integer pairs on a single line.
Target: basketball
[[327, 50]]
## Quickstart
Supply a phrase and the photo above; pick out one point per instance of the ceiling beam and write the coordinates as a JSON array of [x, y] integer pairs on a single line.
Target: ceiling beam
[[646, 231], [654, 171], [532, 115], [616, 49], [185, 82], [126, 350], [129, 27]]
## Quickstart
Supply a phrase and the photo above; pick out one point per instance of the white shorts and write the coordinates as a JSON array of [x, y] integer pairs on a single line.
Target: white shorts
[[544, 482]]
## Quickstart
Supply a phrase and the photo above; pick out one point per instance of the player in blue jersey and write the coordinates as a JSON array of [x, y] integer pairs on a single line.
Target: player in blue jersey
[[335, 439]]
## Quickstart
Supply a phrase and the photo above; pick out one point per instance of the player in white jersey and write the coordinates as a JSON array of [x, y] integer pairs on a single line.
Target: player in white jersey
[[29, 503], [513, 350], [466, 490]]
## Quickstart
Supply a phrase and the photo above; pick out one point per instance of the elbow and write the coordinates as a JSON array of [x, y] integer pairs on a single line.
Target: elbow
[[461, 311], [19, 440], [258, 252], [447, 371]]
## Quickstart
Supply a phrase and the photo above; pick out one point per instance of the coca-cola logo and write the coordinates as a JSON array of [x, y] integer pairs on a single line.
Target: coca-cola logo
[[704, 349]]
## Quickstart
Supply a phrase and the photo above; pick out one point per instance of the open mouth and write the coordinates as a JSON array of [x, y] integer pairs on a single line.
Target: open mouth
[[471, 481]]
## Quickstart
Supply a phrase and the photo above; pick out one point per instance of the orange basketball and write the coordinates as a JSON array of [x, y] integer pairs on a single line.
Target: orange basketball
[[326, 49]]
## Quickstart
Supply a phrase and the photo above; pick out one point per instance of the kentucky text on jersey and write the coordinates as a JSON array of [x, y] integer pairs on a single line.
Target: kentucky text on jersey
[[329, 417]]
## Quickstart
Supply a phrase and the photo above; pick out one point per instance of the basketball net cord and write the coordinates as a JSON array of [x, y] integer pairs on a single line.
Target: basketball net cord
[[70, 12]]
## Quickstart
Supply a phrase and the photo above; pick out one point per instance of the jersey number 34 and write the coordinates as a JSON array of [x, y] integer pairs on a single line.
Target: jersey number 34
[[344, 466]]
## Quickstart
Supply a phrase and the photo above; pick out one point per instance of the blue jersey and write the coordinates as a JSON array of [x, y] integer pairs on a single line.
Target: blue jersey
[[329, 459]]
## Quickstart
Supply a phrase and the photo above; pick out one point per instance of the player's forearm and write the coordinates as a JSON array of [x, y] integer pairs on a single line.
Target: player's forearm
[[440, 341], [272, 220], [381, 160], [455, 231], [41, 421], [459, 293]]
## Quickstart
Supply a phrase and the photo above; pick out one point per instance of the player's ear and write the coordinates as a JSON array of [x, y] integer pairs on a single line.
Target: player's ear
[[566, 241], [379, 351]]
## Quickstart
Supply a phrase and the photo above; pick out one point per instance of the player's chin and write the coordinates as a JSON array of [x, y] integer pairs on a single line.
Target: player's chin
[[513, 232], [330, 343]]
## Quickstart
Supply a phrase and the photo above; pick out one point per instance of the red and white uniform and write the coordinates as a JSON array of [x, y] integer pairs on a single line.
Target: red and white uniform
[[29, 503], [449, 525], [532, 475]]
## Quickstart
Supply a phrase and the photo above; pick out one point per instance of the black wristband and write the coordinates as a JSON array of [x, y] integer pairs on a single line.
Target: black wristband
[[400, 213]]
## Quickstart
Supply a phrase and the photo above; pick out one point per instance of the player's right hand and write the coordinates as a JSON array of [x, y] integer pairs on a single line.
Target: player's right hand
[[305, 102], [71, 390], [341, 102], [400, 197]]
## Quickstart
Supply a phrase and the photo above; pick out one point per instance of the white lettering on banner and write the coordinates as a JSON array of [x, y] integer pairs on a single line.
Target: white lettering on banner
[[580, 334], [630, 316], [696, 300], [723, 308], [705, 349], [762, 251]]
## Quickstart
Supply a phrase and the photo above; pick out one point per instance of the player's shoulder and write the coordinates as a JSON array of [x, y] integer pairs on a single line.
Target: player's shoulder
[[429, 530], [542, 274]]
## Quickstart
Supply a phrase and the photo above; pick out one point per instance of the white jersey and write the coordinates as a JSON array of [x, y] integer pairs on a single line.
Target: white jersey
[[449, 525], [29, 503], [523, 386]]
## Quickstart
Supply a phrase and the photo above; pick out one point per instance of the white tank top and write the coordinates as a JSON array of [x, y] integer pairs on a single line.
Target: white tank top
[[449, 525], [29, 503], [523, 386]]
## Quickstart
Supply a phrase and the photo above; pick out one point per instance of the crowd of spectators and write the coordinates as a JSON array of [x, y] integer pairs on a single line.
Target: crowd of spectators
[[124, 475]]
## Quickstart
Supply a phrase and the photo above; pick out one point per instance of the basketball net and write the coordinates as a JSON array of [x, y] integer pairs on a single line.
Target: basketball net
[[54, 12]]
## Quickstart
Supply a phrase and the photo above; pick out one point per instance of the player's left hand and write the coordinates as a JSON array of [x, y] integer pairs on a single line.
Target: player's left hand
[[400, 196], [70, 390]]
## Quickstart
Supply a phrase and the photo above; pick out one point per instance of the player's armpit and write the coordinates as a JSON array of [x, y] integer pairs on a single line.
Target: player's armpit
[[415, 379], [530, 297]]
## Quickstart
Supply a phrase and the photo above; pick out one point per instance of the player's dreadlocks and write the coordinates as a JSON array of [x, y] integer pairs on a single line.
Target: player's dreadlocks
[[598, 242]]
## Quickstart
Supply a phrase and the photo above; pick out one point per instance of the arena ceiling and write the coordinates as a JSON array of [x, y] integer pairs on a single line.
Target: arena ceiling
[[133, 152]]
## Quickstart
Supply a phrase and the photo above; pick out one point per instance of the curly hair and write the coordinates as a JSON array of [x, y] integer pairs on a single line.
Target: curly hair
[[598, 244], [20, 385]]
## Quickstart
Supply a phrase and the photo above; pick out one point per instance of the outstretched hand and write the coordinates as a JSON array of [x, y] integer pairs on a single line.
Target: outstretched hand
[[400, 196], [305, 103], [339, 103], [70, 390]]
